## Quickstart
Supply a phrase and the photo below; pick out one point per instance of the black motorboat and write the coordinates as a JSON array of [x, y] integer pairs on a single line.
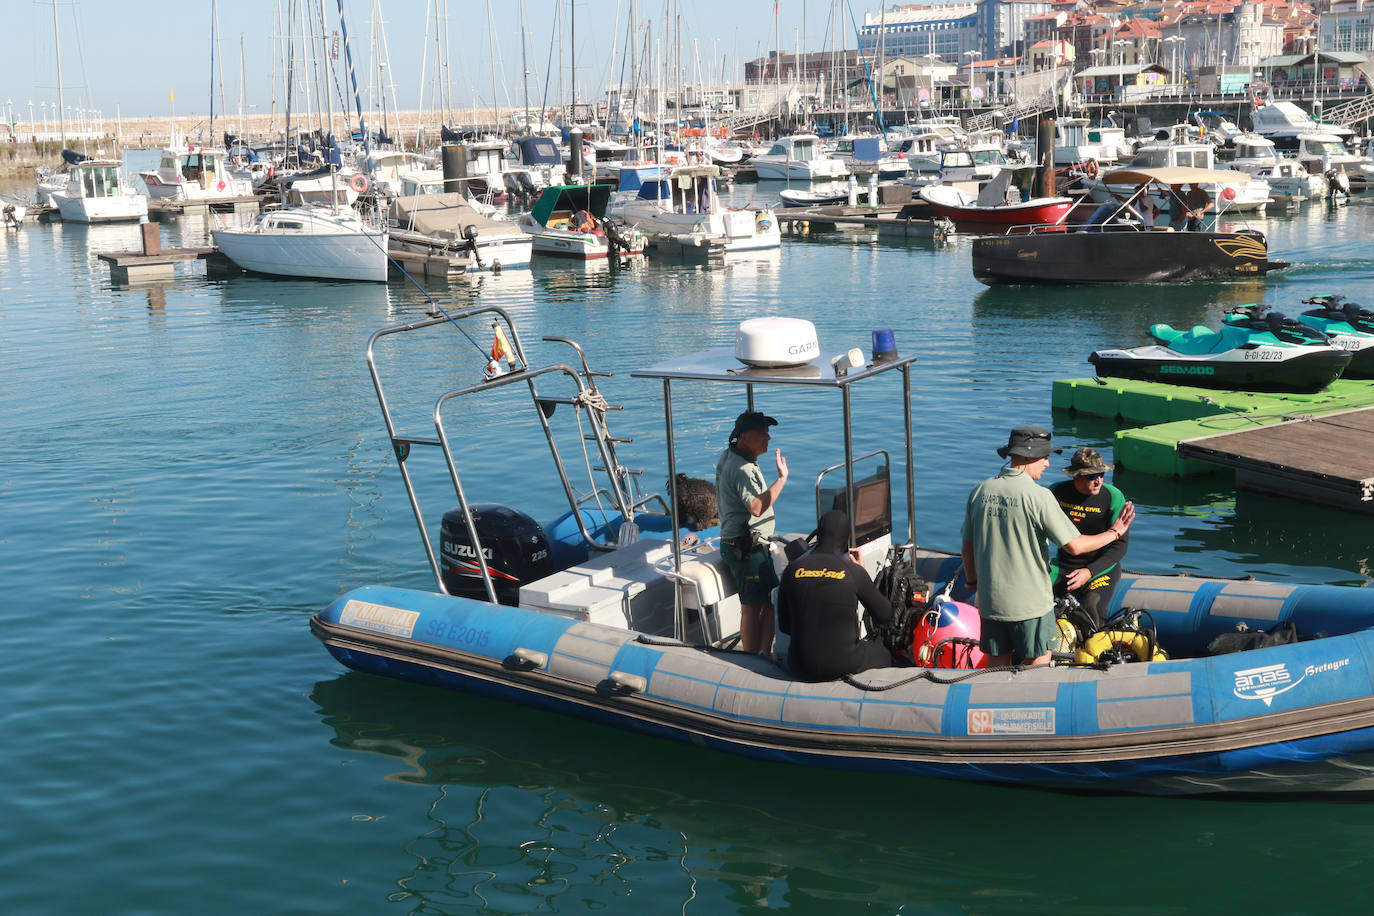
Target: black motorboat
[[1121, 254]]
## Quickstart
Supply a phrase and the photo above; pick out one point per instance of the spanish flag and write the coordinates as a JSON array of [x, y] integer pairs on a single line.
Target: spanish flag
[[500, 346]]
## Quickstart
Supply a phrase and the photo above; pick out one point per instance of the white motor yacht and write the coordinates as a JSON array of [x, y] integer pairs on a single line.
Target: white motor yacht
[[1231, 190], [1256, 155], [96, 193], [1071, 142], [196, 173], [798, 158]]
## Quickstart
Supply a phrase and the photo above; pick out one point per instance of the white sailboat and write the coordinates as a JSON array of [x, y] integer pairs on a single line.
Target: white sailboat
[[321, 242]]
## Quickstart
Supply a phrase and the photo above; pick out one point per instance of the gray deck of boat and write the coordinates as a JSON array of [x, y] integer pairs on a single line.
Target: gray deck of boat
[[1327, 459]]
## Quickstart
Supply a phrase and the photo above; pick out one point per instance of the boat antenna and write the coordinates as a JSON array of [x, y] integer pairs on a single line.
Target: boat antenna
[[434, 307]]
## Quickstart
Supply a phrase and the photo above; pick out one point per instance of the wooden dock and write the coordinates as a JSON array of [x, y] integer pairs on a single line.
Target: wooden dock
[[155, 262], [1326, 459], [161, 207]]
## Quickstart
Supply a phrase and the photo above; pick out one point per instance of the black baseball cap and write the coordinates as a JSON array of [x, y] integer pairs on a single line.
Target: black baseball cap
[[750, 419]]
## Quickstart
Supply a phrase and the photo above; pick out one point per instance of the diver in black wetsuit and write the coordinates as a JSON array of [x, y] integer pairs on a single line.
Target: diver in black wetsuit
[[817, 603]]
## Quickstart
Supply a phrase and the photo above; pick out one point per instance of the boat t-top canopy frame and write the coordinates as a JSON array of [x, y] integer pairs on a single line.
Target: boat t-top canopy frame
[[719, 365]]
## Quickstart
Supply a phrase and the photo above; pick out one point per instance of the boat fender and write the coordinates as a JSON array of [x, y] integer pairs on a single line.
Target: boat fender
[[220, 186], [1091, 168], [359, 183], [762, 223], [1101, 642]]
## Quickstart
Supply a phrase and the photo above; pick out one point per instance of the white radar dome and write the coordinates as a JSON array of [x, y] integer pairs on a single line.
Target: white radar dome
[[775, 342]]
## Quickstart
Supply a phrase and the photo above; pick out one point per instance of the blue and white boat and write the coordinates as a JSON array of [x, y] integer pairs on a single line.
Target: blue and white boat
[[586, 618]]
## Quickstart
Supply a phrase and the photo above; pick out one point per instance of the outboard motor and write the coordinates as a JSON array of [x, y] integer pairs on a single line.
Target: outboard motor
[[515, 546]]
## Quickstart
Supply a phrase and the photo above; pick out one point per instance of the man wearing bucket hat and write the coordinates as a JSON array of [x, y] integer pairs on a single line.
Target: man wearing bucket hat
[[1093, 505], [1007, 520], [746, 525]]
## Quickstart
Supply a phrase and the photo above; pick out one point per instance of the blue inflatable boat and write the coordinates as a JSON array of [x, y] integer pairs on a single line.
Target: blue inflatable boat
[[632, 625]]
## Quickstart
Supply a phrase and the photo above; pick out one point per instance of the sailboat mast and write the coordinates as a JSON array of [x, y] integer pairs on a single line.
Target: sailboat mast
[[214, 40], [524, 65], [57, 38], [331, 144]]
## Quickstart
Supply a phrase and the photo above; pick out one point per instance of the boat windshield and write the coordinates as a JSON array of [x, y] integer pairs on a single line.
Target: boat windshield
[[988, 157], [1332, 147], [100, 181]]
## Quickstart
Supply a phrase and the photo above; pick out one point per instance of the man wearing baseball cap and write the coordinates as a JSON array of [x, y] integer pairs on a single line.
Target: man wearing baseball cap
[[746, 504], [1007, 520], [1093, 505]]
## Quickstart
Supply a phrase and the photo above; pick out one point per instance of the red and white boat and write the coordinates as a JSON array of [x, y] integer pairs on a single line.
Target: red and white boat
[[999, 204]]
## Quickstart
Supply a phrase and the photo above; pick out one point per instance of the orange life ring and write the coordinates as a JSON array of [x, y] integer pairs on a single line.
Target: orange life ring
[[358, 183], [1091, 168]]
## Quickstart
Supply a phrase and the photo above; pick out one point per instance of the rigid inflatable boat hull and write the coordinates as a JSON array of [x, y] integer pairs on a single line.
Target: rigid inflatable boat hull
[[1297, 717]]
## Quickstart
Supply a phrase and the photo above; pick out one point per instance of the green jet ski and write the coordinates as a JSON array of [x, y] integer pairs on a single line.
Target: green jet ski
[[1252, 351]]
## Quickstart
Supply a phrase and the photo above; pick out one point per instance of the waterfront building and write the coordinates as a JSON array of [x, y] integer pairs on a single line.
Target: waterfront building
[[947, 30]]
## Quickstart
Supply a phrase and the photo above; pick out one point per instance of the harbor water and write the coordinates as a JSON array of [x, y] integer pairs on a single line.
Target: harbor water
[[191, 468]]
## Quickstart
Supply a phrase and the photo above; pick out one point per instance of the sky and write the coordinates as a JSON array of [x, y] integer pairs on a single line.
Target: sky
[[152, 58]]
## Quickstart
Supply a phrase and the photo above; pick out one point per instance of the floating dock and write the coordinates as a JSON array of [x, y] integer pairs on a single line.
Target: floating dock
[[1317, 447], [884, 221], [155, 262]]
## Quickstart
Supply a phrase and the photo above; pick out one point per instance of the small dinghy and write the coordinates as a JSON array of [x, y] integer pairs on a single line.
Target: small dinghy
[[793, 197], [1252, 351], [1349, 327], [998, 205]]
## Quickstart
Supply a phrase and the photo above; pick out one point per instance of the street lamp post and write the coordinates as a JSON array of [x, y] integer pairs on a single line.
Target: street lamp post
[[1173, 41]]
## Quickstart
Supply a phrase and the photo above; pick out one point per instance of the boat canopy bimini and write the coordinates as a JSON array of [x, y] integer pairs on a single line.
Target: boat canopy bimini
[[618, 617]]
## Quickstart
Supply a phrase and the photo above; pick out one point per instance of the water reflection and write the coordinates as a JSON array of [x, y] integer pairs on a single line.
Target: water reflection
[[522, 811]]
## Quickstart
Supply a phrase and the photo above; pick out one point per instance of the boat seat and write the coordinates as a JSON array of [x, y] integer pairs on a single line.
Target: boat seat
[[710, 576]]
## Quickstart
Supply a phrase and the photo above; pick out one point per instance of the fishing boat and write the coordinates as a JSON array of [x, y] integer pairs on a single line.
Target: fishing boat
[[620, 616], [195, 174], [1252, 351], [95, 193], [569, 221], [998, 204]]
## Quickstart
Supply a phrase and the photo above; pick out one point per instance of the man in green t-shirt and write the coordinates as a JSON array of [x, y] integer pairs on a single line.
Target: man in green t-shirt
[[746, 503], [1007, 520]]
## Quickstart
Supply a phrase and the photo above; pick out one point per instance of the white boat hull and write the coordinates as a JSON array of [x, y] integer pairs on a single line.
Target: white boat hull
[[123, 208], [332, 256], [799, 170]]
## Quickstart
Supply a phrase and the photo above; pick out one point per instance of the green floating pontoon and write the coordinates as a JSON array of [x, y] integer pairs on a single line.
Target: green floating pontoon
[[1174, 413]]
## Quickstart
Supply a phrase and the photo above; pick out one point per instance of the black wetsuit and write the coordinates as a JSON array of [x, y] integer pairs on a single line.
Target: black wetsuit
[[1092, 514], [817, 605]]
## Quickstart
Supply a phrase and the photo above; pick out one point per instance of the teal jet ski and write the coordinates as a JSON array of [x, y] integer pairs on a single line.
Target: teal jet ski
[[1252, 351], [1349, 326]]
